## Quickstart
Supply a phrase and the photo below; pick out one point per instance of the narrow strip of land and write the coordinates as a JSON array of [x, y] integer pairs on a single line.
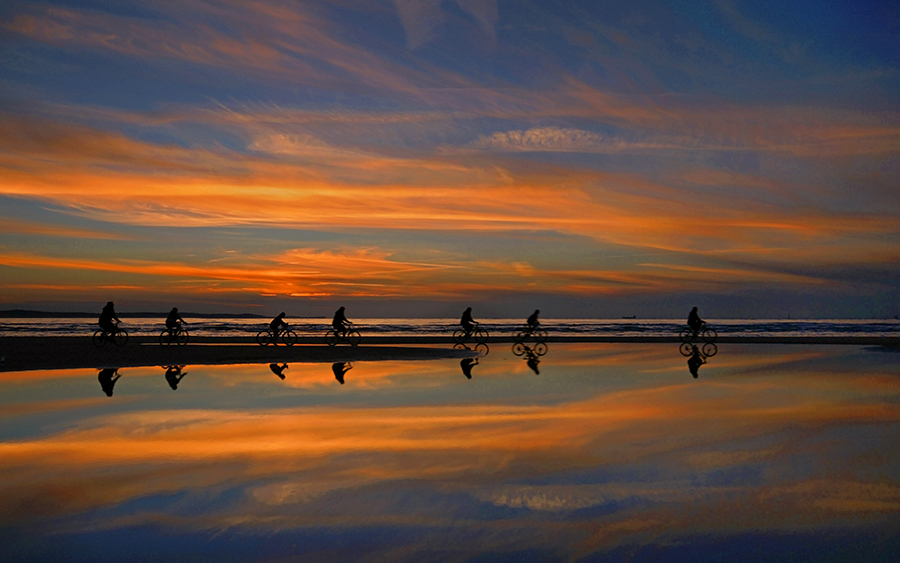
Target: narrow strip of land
[[34, 353]]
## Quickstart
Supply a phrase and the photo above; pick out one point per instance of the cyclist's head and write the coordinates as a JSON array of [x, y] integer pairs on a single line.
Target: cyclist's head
[[174, 309], [468, 309], [109, 303], [282, 314], [341, 309]]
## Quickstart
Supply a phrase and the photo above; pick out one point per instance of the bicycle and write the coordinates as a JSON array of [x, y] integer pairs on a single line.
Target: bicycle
[[520, 349], [287, 337], [179, 336], [707, 350], [102, 336], [706, 334], [530, 331], [479, 334], [334, 337]]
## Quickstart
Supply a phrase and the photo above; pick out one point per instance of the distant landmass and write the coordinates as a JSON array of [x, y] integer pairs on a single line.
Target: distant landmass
[[27, 314]]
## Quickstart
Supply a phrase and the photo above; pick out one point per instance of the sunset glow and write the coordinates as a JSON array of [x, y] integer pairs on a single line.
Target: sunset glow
[[599, 161]]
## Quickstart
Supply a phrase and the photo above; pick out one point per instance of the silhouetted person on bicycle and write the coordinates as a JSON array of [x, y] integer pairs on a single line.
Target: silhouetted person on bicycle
[[107, 381], [276, 325], [108, 319], [467, 364], [340, 324], [695, 361], [278, 369], [694, 321], [533, 321], [174, 320], [174, 376], [467, 322], [340, 368]]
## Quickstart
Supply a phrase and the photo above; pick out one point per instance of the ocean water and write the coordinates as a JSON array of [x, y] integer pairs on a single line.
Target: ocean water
[[588, 452], [440, 327]]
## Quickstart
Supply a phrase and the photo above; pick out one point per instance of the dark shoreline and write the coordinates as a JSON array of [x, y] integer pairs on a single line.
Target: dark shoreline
[[25, 353]]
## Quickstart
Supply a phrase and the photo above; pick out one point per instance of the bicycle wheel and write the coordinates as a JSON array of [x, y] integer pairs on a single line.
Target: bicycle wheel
[[353, 337], [709, 334], [99, 339], [288, 337], [686, 349], [182, 337], [164, 339], [121, 337], [459, 336], [331, 338], [540, 349], [263, 338], [686, 335], [482, 349], [519, 349], [539, 334], [481, 335], [709, 349]]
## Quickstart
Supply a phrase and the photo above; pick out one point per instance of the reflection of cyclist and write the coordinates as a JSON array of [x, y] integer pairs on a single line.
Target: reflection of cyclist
[[532, 361], [340, 368], [340, 324], [694, 321], [467, 364], [695, 361], [174, 320], [276, 325], [174, 376], [107, 316], [107, 381], [278, 369], [533, 321], [467, 322]]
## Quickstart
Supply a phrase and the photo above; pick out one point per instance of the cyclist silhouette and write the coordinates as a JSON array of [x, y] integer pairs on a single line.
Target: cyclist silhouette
[[174, 320], [694, 321], [340, 323], [467, 322], [275, 327], [107, 381], [278, 369], [174, 376], [467, 364], [695, 361], [340, 368], [533, 321], [107, 316]]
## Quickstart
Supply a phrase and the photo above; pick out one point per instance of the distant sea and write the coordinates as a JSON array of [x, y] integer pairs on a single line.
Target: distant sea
[[243, 326]]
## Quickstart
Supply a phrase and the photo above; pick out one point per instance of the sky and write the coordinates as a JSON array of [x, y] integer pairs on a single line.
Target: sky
[[414, 157]]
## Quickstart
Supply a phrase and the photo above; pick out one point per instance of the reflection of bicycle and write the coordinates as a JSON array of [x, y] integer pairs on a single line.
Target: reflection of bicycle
[[177, 336], [520, 349], [480, 347], [287, 337], [351, 337], [707, 350], [479, 334], [530, 331], [101, 337], [706, 334]]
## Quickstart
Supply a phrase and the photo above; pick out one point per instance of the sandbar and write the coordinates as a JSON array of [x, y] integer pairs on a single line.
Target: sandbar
[[25, 353]]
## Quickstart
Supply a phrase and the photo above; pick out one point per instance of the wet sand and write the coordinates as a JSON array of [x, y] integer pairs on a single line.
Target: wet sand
[[34, 353]]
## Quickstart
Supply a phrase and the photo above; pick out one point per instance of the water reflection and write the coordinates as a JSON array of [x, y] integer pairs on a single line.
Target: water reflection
[[278, 369], [697, 355], [531, 353], [174, 375], [339, 369], [467, 364], [107, 379], [612, 450]]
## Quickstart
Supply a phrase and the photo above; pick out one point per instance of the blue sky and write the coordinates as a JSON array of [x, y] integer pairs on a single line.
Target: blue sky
[[415, 156]]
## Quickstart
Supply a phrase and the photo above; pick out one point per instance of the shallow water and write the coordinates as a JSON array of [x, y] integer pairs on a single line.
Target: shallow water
[[445, 327], [590, 452]]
